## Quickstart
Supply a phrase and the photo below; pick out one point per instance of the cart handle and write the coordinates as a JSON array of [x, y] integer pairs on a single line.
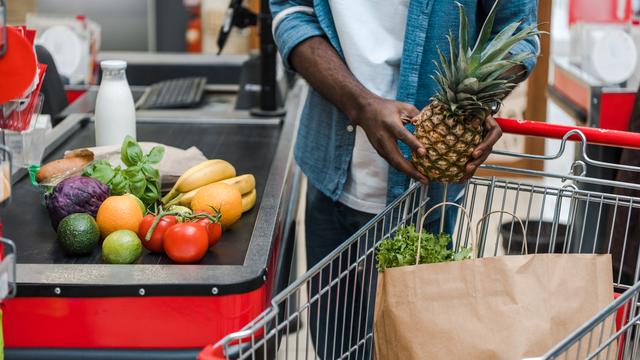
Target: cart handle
[[553, 131]]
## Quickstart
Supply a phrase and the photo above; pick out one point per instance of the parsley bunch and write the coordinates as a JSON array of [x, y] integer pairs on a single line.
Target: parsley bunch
[[401, 250]]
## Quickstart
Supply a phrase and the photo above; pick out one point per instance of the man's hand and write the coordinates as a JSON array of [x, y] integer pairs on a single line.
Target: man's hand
[[381, 120], [483, 150], [480, 154], [317, 61]]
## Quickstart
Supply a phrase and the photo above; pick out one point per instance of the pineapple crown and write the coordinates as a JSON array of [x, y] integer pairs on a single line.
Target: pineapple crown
[[474, 79]]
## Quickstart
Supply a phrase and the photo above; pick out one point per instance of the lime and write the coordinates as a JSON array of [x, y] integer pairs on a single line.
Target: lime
[[78, 234], [140, 203], [121, 247]]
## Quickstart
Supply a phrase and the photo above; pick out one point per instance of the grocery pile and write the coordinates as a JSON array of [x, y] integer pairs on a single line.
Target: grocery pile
[[91, 200], [140, 178], [215, 178]]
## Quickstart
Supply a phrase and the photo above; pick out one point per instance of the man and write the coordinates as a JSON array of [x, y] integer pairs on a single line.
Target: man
[[369, 64]]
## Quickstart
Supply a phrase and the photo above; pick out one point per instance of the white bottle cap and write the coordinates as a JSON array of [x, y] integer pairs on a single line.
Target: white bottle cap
[[113, 65]]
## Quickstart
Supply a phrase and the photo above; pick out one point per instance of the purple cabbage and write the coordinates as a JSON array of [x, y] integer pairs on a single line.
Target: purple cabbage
[[77, 194]]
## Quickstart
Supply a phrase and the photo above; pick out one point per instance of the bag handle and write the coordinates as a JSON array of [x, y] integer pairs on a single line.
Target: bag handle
[[472, 234], [524, 231], [424, 217]]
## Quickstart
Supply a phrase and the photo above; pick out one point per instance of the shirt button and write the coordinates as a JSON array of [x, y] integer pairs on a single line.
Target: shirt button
[[350, 128]]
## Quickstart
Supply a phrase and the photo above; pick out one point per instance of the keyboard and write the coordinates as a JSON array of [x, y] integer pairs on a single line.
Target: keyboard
[[174, 93]]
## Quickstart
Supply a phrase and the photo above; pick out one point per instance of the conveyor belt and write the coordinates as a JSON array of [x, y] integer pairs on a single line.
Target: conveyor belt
[[249, 148]]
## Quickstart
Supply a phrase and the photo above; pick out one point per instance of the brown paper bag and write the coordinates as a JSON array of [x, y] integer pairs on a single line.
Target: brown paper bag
[[507, 307]]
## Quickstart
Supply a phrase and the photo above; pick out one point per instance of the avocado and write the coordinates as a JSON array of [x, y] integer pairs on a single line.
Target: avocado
[[78, 234]]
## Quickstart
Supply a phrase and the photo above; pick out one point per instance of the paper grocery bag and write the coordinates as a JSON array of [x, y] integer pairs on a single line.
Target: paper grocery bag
[[507, 307]]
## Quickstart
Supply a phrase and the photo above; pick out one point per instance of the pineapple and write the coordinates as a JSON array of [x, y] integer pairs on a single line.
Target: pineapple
[[470, 82]]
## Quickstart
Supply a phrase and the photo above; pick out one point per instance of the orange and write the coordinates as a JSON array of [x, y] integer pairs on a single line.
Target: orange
[[119, 213], [223, 197], [138, 201]]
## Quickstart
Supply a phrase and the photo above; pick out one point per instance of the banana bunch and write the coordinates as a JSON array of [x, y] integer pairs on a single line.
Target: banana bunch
[[209, 172]]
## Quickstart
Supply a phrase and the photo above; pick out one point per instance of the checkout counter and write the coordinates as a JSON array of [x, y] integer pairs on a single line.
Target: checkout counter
[[81, 308]]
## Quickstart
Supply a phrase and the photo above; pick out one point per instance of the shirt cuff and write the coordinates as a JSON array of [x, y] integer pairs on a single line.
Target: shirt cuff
[[528, 46], [294, 29]]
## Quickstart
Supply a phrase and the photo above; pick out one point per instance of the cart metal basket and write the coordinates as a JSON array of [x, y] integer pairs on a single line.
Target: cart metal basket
[[566, 212]]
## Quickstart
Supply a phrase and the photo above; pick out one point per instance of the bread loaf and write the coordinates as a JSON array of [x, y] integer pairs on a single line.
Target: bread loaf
[[73, 162]]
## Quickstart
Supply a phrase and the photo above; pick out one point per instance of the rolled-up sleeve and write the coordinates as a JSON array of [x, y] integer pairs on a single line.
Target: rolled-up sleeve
[[511, 11], [293, 23]]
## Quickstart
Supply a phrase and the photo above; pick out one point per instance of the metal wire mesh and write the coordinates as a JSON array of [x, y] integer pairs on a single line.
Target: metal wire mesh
[[328, 312], [611, 334]]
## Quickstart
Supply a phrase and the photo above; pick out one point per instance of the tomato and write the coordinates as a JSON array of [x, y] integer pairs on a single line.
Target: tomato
[[154, 244], [186, 242], [214, 229]]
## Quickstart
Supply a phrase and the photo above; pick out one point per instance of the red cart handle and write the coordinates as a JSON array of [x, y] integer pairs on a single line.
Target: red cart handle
[[554, 131]]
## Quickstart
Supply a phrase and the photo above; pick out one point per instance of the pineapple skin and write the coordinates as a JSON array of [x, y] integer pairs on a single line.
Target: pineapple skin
[[449, 141]]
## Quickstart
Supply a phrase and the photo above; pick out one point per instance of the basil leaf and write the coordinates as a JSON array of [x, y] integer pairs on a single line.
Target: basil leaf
[[151, 193], [151, 173], [155, 155], [100, 170], [137, 187], [131, 153], [103, 172], [119, 184], [133, 173], [137, 180], [88, 171]]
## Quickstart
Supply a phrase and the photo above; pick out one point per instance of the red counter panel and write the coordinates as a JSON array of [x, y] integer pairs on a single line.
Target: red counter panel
[[128, 322]]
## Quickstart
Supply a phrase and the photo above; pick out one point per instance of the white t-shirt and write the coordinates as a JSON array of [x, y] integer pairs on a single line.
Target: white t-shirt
[[371, 34]]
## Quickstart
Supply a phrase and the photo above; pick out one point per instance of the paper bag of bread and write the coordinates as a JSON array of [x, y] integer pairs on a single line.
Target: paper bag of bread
[[72, 164]]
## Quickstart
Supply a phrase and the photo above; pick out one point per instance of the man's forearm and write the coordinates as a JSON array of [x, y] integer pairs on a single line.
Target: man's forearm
[[319, 63]]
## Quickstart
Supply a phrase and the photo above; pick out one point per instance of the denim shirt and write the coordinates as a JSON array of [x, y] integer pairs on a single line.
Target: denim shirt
[[326, 138]]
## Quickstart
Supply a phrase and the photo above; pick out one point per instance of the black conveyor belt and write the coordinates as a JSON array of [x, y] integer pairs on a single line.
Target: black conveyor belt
[[249, 148]]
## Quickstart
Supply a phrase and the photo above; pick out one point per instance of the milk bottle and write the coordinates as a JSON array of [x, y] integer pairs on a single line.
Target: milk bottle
[[115, 115]]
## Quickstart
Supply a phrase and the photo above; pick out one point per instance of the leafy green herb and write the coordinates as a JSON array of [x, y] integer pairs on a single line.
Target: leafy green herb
[[401, 250], [131, 152], [139, 178], [155, 155], [102, 171]]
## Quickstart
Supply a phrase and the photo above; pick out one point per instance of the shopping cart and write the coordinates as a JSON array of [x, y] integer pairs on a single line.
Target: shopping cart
[[564, 212]]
